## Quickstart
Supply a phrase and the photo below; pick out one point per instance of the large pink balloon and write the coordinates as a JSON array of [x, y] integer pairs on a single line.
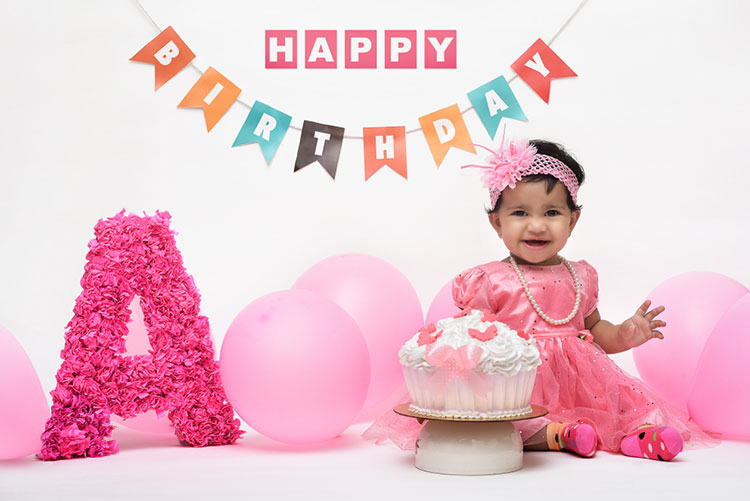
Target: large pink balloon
[[137, 343], [720, 398], [295, 367], [442, 306], [23, 407], [385, 306], [694, 302]]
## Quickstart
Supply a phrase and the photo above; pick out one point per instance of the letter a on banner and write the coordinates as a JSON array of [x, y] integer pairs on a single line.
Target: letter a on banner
[[321, 143], [493, 101], [266, 126], [443, 129], [168, 53], [538, 66], [135, 257], [384, 146], [214, 93]]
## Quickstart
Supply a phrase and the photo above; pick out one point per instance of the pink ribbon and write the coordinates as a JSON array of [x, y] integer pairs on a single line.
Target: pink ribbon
[[452, 363]]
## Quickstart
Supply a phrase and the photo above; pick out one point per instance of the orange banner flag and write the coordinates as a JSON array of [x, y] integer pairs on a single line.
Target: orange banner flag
[[384, 146], [443, 129], [168, 53], [214, 93]]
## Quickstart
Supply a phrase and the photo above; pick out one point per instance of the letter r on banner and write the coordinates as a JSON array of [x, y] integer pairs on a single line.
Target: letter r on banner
[[168, 53], [266, 126], [214, 93], [384, 146]]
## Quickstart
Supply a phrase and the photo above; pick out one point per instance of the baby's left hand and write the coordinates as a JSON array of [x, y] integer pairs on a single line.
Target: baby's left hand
[[641, 327]]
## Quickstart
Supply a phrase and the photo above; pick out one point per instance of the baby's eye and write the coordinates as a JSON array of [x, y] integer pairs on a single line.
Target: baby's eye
[[553, 212], [518, 213]]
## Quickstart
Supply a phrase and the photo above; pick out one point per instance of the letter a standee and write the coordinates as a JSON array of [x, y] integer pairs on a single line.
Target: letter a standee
[[135, 257]]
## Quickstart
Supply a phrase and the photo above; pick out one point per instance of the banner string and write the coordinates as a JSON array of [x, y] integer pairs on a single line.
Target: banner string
[[410, 131]]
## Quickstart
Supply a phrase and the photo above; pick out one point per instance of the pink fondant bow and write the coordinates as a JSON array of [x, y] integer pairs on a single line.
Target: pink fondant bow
[[452, 363]]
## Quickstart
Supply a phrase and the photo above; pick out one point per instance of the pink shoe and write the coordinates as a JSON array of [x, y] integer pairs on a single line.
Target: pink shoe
[[579, 438], [653, 442]]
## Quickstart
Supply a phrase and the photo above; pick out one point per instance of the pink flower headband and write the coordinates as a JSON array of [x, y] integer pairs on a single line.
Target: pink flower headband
[[518, 159]]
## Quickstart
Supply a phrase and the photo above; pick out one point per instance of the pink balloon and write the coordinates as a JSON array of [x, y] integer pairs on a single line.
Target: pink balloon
[[295, 367], [23, 407], [387, 310], [137, 343], [720, 398], [694, 302], [442, 306]]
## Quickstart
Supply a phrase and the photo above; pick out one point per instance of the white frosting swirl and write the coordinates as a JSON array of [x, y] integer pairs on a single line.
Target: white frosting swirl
[[506, 353]]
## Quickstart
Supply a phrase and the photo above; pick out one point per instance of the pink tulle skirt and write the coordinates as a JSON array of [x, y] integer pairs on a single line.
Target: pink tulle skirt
[[577, 382]]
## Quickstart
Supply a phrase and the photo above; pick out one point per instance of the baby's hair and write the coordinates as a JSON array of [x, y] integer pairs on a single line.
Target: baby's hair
[[554, 150]]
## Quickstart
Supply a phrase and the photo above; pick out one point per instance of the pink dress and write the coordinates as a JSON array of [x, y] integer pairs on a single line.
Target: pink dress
[[577, 381]]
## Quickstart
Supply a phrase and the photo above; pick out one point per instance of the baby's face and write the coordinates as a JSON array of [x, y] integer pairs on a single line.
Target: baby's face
[[534, 225]]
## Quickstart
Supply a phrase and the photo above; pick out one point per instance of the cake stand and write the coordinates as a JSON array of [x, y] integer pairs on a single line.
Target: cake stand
[[469, 446]]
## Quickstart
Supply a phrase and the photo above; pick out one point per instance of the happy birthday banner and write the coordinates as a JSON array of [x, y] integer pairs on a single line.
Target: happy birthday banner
[[383, 146]]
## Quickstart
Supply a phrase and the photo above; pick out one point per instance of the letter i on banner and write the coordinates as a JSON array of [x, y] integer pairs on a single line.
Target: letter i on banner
[[493, 101], [384, 146], [321, 143], [214, 93], [538, 66], [266, 126], [443, 129], [168, 53]]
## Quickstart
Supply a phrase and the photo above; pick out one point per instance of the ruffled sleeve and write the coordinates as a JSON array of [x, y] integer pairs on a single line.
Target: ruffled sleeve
[[472, 289], [590, 282]]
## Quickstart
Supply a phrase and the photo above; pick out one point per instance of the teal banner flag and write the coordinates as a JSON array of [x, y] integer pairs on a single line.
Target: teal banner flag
[[266, 126], [493, 101]]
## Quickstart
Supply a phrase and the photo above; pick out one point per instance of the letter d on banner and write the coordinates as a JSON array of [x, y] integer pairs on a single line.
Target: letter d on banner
[[168, 53], [443, 129], [266, 126], [214, 93]]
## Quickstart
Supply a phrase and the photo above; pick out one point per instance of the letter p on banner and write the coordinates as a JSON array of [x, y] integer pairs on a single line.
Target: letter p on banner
[[130, 257], [168, 53]]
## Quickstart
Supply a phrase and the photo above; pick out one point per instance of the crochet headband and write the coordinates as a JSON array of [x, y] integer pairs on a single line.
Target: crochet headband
[[518, 159]]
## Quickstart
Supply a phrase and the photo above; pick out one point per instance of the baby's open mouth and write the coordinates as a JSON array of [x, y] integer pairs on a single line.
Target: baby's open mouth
[[536, 243]]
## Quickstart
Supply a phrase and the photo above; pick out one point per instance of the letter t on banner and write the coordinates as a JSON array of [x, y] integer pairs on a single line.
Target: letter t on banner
[[384, 146], [443, 129], [214, 93], [321, 143], [168, 53], [538, 66], [266, 126]]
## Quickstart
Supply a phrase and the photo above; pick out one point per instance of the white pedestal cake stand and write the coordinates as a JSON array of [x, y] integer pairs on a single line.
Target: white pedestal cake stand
[[469, 446]]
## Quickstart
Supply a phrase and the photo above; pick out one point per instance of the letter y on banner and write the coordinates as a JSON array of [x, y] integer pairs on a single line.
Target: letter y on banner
[[538, 66], [214, 93], [168, 53], [130, 257]]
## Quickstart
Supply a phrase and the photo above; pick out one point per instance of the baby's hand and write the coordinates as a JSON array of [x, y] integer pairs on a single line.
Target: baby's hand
[[641, 327]]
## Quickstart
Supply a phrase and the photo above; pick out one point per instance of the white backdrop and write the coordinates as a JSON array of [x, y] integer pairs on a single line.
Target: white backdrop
[[657, 116]]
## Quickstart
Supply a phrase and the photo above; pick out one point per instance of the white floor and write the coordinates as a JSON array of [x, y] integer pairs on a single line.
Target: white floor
[[157, 467]]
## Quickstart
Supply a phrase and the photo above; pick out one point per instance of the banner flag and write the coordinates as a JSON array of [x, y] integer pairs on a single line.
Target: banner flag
[[493, 101], [214, 93], [384, 146], [168, 53], [538, 66], [266, 126], [445, 128], [321, 143]]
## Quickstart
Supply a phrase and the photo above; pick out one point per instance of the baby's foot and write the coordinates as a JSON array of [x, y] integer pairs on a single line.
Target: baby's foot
[[578, 438], [652, 442]]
